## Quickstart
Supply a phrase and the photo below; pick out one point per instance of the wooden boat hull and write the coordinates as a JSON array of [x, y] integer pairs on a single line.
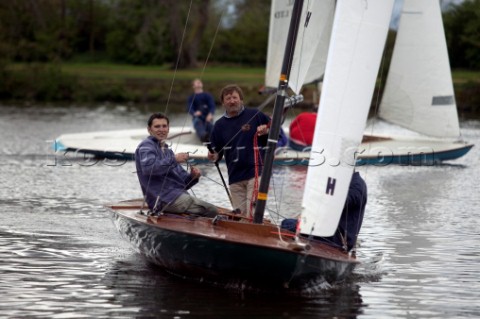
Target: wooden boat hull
[[230, 251]]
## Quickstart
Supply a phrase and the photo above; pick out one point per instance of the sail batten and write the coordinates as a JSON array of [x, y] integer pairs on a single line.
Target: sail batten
[[419, 90], [355, 50]]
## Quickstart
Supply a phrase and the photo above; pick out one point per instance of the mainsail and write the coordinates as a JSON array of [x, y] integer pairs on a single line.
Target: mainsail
[[355, 51], [419, 91]]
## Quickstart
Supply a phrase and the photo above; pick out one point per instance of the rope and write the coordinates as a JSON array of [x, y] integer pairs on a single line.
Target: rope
[[166, 107], [257, 161], [158, 200], [204, 66], [171, 89], [178, 57]]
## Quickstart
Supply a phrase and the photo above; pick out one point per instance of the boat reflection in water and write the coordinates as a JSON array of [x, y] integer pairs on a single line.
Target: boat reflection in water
[[143, 290]]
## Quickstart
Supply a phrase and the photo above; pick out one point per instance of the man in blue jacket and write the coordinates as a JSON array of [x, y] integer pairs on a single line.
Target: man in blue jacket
[[351, 219], [201, 106], [233, 136], [163, 180]]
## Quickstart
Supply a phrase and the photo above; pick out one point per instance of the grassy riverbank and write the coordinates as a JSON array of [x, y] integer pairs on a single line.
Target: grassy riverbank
[[100, 82], [119, 83]]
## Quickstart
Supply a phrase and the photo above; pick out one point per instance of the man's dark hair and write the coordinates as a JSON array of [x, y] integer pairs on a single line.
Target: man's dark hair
[[157, 116], [229, 89]]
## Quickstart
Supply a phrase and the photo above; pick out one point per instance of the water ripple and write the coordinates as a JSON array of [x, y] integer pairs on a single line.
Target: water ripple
[[61, 257]]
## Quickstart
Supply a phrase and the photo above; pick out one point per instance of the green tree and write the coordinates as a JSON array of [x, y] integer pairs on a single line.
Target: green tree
[[188, 21], [244, 38], [462, 29], [48, 30], [137, 32]]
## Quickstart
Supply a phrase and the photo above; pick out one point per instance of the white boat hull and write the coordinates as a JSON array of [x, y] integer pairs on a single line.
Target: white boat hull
[[374, 150]]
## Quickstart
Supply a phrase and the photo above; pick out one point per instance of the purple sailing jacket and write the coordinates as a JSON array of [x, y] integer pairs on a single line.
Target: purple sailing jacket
[[162, 179]]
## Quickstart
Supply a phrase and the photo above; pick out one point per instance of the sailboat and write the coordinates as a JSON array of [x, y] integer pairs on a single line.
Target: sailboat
[[418, 94], [226, 249]]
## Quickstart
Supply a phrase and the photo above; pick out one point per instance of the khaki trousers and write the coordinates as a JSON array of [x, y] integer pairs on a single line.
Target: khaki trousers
[[241, 193], [186, 203]]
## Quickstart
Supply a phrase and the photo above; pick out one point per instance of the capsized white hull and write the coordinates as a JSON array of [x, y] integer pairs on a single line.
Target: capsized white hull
[[375, 149], [123, 143]]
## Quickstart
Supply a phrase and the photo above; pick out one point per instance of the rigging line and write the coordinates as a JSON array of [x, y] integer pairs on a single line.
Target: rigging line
[[211, 179], [268, 100], [238, 132], [146, 190], [178, 57], [279, 215], [164, 180], [159, 147], [205, 64], [278, 202], [185, 188], [148, 183]]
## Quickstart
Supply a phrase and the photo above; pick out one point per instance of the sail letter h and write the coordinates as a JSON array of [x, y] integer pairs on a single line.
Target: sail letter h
[[330, 186]]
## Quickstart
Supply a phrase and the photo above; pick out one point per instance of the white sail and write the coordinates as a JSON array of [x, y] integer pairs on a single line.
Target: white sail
[[359, 32], [311, 46], [419, 91]]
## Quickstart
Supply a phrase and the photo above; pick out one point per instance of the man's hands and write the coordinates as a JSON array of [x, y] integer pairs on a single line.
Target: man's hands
[[262, 129], [209, 117], [213, 156], [181, 157], [195, 172]]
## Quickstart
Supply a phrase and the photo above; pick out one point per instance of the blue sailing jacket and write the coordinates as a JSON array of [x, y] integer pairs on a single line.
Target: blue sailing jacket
[[350, 220], [202, 102], [234, 137], [352, 214]]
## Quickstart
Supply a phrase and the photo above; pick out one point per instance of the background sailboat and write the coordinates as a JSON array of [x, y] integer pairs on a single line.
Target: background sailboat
[[419, 92]]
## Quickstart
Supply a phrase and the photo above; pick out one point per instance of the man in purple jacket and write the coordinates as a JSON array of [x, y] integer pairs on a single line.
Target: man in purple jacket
[[163, 180]]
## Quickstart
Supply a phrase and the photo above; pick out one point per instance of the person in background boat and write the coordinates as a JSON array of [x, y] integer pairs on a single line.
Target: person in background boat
[[351, 219], [301, 131], [163, 180], [282, 139], [234, 136], [201, 106]]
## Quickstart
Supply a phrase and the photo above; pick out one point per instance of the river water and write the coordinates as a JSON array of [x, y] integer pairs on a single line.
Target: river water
[[61, 257]]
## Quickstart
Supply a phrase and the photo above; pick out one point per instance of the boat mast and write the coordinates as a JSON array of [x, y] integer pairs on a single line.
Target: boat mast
[[278, 112]]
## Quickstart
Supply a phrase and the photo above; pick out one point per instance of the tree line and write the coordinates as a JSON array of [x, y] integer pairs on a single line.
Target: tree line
[[179, 32], [147, 32]]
